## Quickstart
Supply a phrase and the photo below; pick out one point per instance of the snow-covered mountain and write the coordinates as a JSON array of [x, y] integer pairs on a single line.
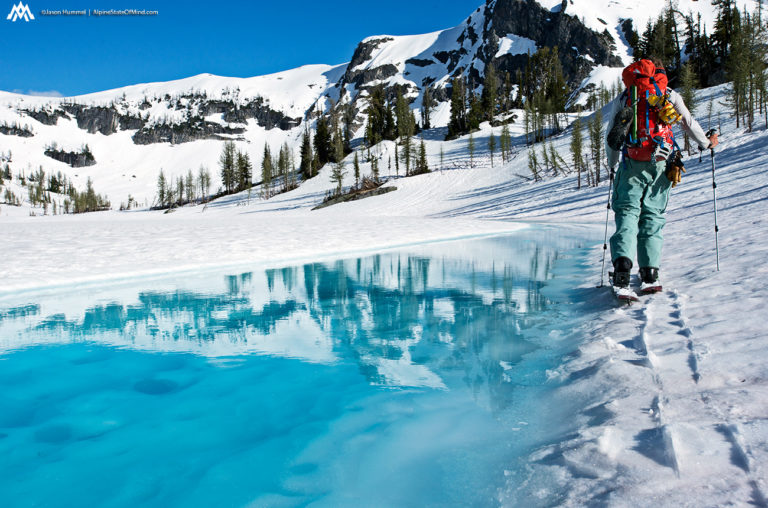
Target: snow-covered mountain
[[177, 126]]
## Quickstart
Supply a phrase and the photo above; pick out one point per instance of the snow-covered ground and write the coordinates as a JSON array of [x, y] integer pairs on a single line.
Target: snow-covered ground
[[674, 389]]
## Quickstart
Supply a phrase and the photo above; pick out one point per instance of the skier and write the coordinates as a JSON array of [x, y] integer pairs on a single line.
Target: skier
[[651, 165]]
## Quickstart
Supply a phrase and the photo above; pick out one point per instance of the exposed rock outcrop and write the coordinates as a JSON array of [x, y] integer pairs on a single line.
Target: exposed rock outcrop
[[363, 53], [108, 120], [46, 117], [16, 130], [184, 132], [550, 29], [129, 123], [264, 115], [75, 159], [94, 118]]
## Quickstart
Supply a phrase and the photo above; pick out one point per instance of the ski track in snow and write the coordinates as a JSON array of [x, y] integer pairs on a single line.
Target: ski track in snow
[[669, 397]]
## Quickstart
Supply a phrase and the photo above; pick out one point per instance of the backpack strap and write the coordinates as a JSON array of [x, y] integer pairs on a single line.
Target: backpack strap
[[648, 111], [656, 86]]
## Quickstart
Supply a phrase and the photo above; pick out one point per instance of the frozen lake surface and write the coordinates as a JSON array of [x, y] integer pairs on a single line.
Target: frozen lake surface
[[414, 377]]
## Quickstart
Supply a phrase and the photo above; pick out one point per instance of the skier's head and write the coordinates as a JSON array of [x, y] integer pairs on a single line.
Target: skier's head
[[657, 62]]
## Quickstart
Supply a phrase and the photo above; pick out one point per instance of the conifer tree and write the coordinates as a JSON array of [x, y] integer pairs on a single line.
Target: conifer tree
[[724, 26], [338, 137], [306, 156], [227, 165], [390, 127], [337, 175], [204, 182], [356, 166], [244, 171], [556, 160], [426, 107], [375, 169], [596, 141], [284, 165], [189, 187], [348, 117], [533, 164], [162, 189], [422, 166], [492, 145], [576, 150], [266, 172], [315, 164], [545, 157], [323, 145], [490, 92], [506, 143], [527, 123], [457, 124], [476, 114], [403, 114], [407, 154], [397, 162], [377, 116], [507, 93], [179, 190], [471, 148]]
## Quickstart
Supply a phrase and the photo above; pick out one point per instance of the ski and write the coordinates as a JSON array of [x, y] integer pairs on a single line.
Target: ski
[[650, 289], [625, 296]]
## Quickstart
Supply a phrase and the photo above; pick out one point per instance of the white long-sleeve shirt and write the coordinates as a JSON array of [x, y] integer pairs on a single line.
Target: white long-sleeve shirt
[[689, 124]]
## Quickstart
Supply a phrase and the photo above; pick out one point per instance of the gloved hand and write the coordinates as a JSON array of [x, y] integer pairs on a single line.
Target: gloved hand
[[712, 134], [675, 169]]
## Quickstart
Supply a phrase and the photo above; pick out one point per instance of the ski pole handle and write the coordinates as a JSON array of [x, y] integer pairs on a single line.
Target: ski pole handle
[[710, 134]]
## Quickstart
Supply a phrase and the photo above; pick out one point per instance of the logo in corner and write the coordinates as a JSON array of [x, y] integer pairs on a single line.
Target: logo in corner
[[20, 11]]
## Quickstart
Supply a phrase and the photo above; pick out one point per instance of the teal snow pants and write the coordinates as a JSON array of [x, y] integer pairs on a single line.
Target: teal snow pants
[[640, 196]]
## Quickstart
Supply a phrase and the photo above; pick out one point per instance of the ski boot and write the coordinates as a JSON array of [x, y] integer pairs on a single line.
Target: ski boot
[[620, 280], [649, 277]]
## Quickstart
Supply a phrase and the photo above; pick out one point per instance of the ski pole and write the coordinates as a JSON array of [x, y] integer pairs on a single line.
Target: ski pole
[[607, 215], [710, 133]]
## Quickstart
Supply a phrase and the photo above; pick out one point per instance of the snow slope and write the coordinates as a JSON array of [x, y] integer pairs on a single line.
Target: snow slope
[[670, 395], [124, 168]]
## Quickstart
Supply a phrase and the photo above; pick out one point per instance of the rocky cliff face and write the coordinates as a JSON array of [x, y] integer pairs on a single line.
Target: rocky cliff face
[[547, 29]]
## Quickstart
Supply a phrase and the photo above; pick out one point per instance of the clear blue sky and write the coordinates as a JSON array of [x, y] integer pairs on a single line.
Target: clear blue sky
[[76, 55]]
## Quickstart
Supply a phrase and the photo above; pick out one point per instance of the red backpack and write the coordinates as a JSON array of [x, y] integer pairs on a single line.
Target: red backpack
[[651, 131]]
